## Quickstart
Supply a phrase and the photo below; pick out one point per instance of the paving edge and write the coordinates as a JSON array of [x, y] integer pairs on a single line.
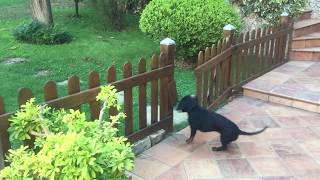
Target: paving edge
[[283, 100], [147, 142]]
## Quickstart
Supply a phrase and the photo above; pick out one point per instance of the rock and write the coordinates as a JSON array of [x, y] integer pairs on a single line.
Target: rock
[[16, 60], [43, 73], [141, 145], [120, 97], [178, 117], [62, 83], [157, 137], [65, 83]]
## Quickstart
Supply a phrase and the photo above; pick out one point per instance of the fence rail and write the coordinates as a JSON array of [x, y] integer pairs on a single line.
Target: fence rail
[[160, 76], [231, 62]]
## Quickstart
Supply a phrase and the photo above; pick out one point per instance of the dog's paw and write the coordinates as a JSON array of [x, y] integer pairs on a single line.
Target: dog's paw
[[218, 148], [188, 141]]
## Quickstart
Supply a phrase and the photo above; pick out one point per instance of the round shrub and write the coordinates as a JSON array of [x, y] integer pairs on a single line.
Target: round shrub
[[37, 33], [193, 24]]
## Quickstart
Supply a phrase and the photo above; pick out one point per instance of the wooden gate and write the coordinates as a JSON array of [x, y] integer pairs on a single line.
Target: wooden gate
[[233, 61]]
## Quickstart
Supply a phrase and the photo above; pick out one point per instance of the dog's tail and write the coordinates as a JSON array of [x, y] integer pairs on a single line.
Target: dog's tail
[[252, 133]]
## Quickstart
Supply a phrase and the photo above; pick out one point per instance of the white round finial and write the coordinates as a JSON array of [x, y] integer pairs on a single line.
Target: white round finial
[[229, 27], [168, 42], [284, 14]]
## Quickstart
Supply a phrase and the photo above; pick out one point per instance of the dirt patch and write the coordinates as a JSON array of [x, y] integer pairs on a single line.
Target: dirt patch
[[185, 64]]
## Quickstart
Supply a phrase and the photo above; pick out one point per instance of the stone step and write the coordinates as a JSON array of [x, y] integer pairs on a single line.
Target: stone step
[[305, 54], [306, 27], [307, 41], [295, 84], [305, 15]]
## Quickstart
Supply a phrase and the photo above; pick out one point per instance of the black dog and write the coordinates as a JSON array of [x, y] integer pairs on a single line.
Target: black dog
[[205, 121]]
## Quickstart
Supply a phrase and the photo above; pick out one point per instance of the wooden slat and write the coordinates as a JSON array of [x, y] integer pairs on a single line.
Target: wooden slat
[[276, 46], [263, 50], [4, 137], [271, 47], [251, 54], [212, 77], [245, 65], [239, 59], [154, 92], [226, 45], [94, 81], [283, 46], [74, 87], [219, 69], [280, 47], [257, 53], [112, 77], [142, 97], [199, 77], [50, 91], [2, 108], [207, 56], [24, 95], [222, 67], [290, 33], [200, 58], [163, 90], [128, 101]]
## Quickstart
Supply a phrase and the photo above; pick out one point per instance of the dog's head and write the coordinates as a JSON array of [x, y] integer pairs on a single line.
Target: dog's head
[[187, 103]]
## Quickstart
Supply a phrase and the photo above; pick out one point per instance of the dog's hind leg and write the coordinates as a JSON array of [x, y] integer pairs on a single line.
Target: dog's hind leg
[[225, 140], [224, 147]]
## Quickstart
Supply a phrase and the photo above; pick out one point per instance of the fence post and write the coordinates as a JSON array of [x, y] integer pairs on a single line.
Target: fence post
[[228, 33], [285, 23], [168, 48]]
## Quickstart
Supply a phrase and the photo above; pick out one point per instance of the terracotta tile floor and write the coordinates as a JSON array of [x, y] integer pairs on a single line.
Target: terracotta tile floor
[[289, 149], [299, 80]]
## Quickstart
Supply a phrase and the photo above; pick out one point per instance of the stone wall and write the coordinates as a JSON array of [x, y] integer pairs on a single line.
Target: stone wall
[[314, 5]]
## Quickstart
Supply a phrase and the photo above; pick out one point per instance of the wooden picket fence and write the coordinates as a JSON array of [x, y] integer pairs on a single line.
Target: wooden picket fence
[[232, 62], [162, 94]]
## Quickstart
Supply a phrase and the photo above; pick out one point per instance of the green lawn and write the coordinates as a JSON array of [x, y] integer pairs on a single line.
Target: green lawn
[[92, 48]]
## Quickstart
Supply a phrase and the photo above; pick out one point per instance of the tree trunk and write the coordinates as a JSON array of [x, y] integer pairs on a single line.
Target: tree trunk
[[76, 3], [41, 11]]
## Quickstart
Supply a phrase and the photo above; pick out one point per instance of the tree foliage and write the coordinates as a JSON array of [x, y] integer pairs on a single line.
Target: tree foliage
[[271, 10]]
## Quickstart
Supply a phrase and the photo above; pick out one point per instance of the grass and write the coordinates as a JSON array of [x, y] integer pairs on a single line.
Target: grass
[[93, 48]]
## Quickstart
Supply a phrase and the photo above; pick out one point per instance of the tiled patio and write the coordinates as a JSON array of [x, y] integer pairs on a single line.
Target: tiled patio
[[289, 149], [296, 84]]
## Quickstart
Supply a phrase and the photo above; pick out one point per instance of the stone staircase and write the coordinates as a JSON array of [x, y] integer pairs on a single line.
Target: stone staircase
[[306, 38], [296, 83]]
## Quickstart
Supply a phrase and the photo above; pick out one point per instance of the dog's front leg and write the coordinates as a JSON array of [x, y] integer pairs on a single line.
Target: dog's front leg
[[193, 133]]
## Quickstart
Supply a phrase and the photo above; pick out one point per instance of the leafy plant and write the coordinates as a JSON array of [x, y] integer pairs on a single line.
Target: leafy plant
[[68, 146], [192, 24], [271, 10], [37, 33]]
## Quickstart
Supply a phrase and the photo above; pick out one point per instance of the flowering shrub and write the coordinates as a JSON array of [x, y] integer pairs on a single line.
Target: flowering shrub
[[68, 146]]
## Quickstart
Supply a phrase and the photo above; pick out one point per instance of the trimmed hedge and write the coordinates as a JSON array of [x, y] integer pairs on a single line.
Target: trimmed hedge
[[192, 24]]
